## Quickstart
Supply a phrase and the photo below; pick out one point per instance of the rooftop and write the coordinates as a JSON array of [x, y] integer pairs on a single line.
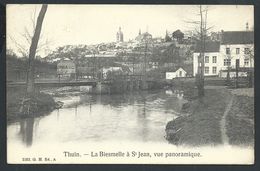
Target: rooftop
[[237, 37], [210, 46]]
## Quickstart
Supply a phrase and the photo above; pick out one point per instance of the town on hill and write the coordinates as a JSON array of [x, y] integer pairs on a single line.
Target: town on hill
[[175, 51]]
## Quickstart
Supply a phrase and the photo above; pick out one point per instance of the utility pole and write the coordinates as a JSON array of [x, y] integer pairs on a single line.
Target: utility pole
[[229, 67], [33, 47], [76, 67], [133, 63], [145, 59], [202, 53], [94, 64]]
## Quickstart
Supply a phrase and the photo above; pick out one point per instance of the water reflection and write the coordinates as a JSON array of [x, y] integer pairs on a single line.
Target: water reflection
[[138, 116], [142, 121], [26, 131]]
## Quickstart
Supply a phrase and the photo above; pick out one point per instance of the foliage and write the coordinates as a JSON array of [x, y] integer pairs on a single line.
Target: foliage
[[17, 67]]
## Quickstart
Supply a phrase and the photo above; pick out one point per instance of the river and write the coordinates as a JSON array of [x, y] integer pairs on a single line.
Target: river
[[134, 117]]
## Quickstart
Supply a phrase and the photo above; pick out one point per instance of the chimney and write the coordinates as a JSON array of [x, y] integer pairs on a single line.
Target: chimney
[[221, 36]]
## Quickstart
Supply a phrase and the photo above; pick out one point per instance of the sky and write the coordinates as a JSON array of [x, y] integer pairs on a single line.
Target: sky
[[92, 24]]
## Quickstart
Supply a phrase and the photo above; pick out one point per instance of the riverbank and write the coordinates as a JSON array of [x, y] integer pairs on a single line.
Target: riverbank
[[240, 119], [203, 124], [19, 105]]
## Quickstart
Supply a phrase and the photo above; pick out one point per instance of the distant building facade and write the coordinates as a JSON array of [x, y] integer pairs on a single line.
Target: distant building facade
[[66, 68], [143, 37]]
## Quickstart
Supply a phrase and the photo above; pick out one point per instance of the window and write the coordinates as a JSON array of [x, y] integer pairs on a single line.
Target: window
[[228, 51], [246, 51], [206, 70], [214, 59], [237, 50], [180, 73], [246, 62], [214, 70], [227, 62], [206, 59]]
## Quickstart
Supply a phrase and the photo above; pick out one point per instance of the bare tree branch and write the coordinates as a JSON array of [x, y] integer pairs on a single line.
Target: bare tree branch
[[33, 19], [192, 22], [27, 35], [21, 49]]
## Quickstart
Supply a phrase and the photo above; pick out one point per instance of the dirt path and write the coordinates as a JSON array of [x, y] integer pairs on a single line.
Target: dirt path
[[224, 136]]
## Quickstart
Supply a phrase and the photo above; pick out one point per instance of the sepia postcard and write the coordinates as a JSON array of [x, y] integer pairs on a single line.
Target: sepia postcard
[[130, 84]]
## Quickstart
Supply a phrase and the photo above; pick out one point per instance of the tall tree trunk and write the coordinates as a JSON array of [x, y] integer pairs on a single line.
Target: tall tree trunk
[[202, 50], [33, 47]]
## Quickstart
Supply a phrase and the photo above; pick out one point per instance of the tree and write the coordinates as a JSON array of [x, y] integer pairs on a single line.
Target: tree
[[249, 54], [202, 50], [178, 35], [201, 36], [33, 47]]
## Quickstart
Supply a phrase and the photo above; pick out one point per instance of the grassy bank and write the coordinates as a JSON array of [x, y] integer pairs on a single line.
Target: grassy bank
[[40, 104], [202, 125], [240, 120], [187, 85]]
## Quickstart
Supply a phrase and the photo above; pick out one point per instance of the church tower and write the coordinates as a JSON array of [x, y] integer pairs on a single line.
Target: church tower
[[119, 36]]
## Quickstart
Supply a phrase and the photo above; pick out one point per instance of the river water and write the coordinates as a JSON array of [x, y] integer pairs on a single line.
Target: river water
[[136, 117]]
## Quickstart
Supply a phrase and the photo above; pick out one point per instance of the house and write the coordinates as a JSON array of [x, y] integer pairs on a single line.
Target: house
[[153, 64], [180, 72], [235, 46], [114, 69], [66, 68], [212, 59]]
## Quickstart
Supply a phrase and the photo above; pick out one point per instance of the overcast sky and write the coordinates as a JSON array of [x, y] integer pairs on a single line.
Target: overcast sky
[[91, 24]]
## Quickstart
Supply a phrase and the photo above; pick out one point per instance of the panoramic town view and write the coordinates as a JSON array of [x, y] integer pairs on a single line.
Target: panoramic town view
[[144, 74]]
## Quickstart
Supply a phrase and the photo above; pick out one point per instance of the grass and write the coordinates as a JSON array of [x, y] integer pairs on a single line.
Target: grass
[[202, 126], [44, 104], [240, 121]]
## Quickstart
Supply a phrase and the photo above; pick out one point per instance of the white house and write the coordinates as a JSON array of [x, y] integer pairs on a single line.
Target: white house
[[234, 45], [180, 72], [237, 45], [212, 59]]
